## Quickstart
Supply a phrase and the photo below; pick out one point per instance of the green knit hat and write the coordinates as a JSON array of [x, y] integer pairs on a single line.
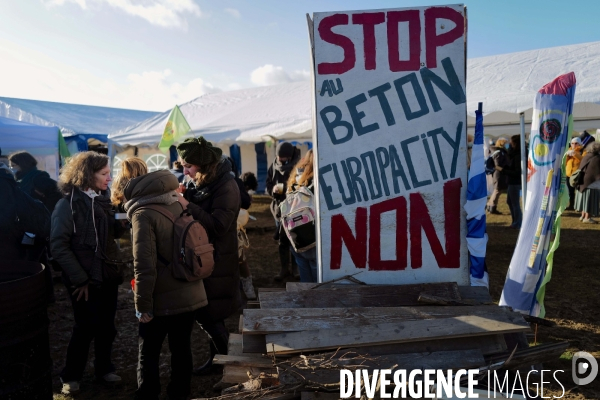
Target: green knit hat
[[198, 151]]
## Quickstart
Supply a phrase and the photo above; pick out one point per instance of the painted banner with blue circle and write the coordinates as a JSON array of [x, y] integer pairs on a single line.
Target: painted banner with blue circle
[[475, 207], [531, 265]]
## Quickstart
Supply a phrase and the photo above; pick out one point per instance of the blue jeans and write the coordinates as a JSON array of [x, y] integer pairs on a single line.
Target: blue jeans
[[514, 204], [307, 264]]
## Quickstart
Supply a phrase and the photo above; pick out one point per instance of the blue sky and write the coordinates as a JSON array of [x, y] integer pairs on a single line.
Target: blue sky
[[151, 54]]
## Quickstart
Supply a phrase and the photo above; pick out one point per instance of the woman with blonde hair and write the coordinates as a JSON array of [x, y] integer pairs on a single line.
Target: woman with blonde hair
[[165, 306], [82, 242], [131, 167], [306, 260]]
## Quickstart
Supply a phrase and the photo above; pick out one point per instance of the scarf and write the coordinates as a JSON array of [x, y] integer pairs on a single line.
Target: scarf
[[25, 181], [137, 202]]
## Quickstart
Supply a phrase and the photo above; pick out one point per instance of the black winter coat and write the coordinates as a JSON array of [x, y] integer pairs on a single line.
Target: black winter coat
[[216, 205], [19, 213]]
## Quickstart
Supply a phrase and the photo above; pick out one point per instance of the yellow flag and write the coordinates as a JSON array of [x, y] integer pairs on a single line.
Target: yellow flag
[[176, 128]]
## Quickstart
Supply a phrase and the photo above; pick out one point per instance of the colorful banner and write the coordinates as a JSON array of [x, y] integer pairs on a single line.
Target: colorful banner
[[531, 266], [390, 119], [176, 128], [477, 237]]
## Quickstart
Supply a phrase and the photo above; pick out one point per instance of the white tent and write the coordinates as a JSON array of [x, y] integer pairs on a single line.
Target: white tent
[[40, 141], [506, 85], [241, 116]]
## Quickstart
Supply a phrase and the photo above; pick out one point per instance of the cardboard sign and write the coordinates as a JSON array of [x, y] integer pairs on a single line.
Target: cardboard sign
[[390, 114]]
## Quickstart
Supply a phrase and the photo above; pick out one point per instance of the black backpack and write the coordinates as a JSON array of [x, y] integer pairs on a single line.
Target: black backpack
[[490, 164]]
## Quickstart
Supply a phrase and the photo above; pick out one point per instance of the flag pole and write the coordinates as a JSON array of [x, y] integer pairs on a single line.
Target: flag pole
[[523, 160]]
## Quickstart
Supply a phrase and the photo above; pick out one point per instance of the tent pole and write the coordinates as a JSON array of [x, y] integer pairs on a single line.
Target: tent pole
[[523, 160], [111, 154]]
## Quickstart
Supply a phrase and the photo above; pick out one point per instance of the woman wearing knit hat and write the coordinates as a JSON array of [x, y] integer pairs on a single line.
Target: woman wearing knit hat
[[277, 176], [213, 198]]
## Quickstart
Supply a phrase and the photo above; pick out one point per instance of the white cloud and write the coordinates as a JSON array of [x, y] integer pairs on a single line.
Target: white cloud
[[272, 75], [31, 75], [233, 12], [165, 13]]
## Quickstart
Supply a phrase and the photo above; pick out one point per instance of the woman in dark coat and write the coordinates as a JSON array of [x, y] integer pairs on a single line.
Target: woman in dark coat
[[34, 182], [39, 186], [588, 193], [513, 175], [214, 200], [82, 242]]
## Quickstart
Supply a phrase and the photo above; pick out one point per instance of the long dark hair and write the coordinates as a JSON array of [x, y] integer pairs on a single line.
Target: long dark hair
[[24, 160]]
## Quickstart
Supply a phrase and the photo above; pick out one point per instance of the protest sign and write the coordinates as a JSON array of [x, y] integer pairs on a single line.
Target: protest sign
[[390, 119]]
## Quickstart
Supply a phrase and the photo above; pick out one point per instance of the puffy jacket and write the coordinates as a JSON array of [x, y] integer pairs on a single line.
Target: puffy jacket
[[76, 259], [217, 210], [573, 162], [156, 290]]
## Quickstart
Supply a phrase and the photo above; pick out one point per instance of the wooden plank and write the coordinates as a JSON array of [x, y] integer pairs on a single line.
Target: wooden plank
[[243, 361], [488, 345], [280, 320], [252, 304], [315, 377], [533, 355], [400, 332], [319, 396], [475, 293], [253, 344], [234, 347], [444, 301], [359, 296]]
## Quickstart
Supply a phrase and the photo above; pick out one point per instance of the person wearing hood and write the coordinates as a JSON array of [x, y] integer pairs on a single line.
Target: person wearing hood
[[19, 214], [213, 198], [34, 182], [82, 242], [164, 305], [39, 186], [587, 197], [277, 177]]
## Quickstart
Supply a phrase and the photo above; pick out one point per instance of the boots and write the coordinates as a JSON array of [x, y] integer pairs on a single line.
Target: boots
[[218, 345], [284, 259], [493, 210]]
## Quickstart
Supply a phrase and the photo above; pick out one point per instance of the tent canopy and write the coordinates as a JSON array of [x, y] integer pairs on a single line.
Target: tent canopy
[[40, 141], [71, 118], [243, 116]]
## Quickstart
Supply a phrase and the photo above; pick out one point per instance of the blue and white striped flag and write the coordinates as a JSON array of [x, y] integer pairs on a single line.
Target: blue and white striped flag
[[476, 200]]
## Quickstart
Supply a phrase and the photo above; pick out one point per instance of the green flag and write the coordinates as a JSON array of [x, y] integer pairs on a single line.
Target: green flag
[[63, 150], [176, 128]]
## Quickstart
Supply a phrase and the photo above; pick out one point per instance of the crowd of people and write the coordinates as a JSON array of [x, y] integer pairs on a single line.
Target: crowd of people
[[72, 225], [505, 174]]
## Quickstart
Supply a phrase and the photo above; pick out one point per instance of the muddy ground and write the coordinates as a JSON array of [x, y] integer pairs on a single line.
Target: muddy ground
[[572, 301]]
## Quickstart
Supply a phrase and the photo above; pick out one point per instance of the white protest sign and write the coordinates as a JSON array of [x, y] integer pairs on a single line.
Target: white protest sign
[[390, 115]]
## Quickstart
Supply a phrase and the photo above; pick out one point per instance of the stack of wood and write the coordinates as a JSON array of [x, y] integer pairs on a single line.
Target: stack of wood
[[294, 344]]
